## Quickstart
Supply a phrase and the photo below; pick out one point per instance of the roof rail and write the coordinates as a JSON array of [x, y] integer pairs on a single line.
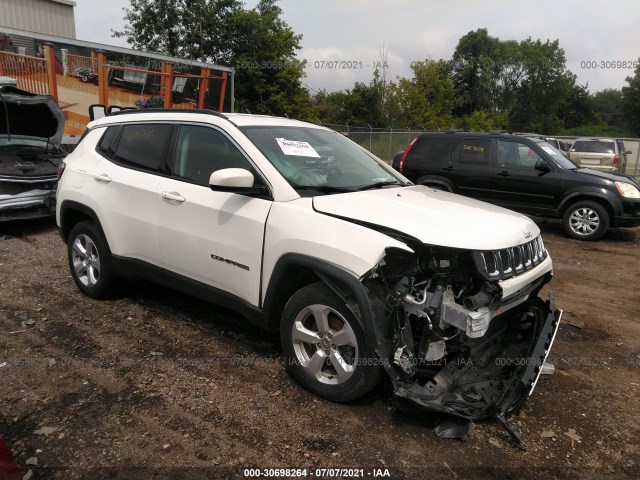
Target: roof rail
[[168, 110]]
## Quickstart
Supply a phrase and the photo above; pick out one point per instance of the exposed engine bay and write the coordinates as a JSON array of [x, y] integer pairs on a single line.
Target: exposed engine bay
[[449, 340]]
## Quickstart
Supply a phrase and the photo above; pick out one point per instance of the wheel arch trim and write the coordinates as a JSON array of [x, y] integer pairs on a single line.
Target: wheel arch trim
[[70, 205], [331, 275]]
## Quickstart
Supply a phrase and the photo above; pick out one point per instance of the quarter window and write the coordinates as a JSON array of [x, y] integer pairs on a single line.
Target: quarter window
[[200, 151], [144, 146], [106, 142]]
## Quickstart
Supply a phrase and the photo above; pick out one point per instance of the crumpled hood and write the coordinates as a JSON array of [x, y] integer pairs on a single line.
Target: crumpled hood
[[433, 217], [30, 115]]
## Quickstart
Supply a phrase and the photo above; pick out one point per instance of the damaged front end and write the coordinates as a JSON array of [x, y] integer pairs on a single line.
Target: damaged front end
[[463, 332], [31, 128]]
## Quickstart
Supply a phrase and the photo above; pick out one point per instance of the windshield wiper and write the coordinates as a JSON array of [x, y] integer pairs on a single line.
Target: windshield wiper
[[379, 185], [323, 188]]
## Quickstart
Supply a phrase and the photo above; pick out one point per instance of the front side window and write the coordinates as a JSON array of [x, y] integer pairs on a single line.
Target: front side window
[[144, 146], [472, 152], [320, 160], [516, 155], [200, 151]]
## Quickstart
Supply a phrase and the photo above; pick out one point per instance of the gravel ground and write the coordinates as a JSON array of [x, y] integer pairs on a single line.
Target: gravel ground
[[155, 384]]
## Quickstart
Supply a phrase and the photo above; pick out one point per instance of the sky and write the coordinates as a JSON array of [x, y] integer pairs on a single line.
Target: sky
[[597, 36]]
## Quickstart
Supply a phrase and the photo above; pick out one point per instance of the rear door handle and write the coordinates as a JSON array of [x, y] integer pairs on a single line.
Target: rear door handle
[[503, 174], [172, 196], [102, 177]]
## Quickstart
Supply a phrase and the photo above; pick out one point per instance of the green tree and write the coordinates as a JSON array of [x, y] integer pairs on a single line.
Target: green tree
[[427, 99], [608, 106], [257, 43], [631, 101], [579, 108], [544, 88], [475, 61]]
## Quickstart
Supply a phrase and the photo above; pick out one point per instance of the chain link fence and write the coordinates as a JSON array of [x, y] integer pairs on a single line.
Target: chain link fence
[[385, 143]]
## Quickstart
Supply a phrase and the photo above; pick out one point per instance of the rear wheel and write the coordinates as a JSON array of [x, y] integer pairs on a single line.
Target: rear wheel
[[90, 260], [325, 347], [586, 220]]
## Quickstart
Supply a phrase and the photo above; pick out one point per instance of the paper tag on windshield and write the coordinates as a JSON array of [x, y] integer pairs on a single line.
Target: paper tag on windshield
[[299, 149]]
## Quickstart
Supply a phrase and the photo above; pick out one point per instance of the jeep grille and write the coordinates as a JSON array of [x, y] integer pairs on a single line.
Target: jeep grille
[[511, 262]]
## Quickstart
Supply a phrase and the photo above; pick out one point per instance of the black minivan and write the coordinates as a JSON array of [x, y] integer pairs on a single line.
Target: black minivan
[[524, 174]]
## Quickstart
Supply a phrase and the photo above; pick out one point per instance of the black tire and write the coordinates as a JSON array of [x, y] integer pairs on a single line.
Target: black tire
[[586, 220], [365, 371], [91, 270]]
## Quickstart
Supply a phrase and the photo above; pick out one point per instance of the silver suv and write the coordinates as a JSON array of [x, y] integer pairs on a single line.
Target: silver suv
[[306, 233], [608, 154]]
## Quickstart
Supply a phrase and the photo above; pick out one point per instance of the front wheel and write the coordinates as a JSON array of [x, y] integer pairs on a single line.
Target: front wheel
[[586, 220], [90, 260], [325, 347]]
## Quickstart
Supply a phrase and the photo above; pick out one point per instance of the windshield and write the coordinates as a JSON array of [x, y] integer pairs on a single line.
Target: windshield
[[558, 156], [320, 160], [593, 146]]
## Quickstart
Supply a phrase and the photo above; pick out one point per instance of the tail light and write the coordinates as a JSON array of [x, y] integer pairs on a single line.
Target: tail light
[[404, 155], [616, 160], [61, 168]]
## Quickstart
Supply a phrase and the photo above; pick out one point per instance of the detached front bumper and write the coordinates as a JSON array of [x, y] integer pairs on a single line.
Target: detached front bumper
[[500, 370], [24, 200]]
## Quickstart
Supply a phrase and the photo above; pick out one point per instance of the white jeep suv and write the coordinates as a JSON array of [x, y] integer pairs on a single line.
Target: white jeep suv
[[302, 230]]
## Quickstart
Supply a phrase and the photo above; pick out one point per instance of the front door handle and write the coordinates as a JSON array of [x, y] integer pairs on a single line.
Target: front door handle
[[503, 174], [172, 196], [449, 168], [102, 177]]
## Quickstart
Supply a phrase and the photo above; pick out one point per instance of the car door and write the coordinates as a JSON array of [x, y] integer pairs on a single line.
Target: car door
[[132, 159], [210, 237], [469, 168], [518, 185]]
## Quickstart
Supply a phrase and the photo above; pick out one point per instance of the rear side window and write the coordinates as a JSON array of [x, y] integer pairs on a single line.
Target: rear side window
[[106, 142], [144, 146], [593, 146], [430, 149], [472, 151]]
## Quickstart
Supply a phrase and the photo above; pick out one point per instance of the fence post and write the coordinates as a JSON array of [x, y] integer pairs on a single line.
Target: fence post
[[168, 86], [103, 83], [204, 84], [65, 61], [635, 169], [390, 141], [51, 70], [223, 91]]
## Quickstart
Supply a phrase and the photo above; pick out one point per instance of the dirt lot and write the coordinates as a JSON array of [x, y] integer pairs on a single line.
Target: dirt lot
[[154, 384]]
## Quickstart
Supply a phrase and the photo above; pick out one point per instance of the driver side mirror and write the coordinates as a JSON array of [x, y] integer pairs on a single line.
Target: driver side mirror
[[542, 166], [235, 180]]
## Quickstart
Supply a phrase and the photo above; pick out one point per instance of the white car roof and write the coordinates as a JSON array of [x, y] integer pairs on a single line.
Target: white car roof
[[239, 119]]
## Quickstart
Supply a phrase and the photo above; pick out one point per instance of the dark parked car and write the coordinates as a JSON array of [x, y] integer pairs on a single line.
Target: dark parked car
[[526, 175], [31, 128]]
